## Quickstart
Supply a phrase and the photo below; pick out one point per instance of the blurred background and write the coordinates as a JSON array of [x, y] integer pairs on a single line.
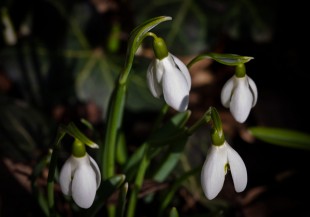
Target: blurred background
[[59, 60]]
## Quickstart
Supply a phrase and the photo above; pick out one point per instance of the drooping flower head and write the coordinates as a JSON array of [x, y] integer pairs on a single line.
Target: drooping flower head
[[239, 94], [221, 157], [168, 76], [219, 160], [80, 176]]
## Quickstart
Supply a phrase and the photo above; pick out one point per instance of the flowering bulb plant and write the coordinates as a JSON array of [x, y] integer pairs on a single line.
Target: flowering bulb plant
[[169, 80], [99, 118]]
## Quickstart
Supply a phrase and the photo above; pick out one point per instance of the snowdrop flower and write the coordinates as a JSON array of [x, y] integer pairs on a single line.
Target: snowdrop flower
[[239, 94], [168, 76], [80, 178], [219, 160]]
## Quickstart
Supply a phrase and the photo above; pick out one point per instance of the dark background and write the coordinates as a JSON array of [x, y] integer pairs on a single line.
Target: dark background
[[38, 89]]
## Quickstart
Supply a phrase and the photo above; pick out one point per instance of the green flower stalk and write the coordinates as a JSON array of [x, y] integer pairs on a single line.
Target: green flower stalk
[[116, 105]]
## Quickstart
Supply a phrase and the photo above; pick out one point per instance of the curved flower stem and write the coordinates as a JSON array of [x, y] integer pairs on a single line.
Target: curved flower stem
[[117, 101], [206, 118], [51, 172]]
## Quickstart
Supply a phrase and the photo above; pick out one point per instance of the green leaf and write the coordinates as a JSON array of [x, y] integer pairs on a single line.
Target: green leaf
[[121, 204], [163, 137], [170, 130], [131, 167], [139, 33], [283, 137], [168, 196], [170, 160], [23, 129], [174, 212], [121, 150], [136, 37], [72, 130], [226, 59]]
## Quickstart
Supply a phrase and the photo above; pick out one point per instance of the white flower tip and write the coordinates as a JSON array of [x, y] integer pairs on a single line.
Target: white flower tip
[[210, 191], [94, 145], [241, 118], [211, 194], [84, 186], [213, 173], [181, 107], [238, 170]]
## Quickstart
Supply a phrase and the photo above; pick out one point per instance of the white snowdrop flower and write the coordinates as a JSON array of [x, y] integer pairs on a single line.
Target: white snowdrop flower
[[239, 94], [80, 178], [218, 161], [170, 77]]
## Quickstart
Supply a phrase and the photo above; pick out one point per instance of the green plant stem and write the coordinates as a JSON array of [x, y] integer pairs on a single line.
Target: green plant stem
[[160, 116], [115, 114], [138, 184], [204, 119], [169, 195], [51, 172]]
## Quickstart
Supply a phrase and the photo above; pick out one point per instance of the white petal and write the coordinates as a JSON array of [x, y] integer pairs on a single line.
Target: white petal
[[96, 169], [184, 70], [159, 69], [213, 171], [227, 92], [237, 168], [152, 82], [175, 87], [241, 100], [253, 89], [84, 186], [66, 175]]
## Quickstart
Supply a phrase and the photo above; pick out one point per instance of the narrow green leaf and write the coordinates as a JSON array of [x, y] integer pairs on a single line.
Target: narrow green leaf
[[136, 37], [121, 204], [283, 137], [174, 212], [170, 193], [72, 130], [226, 59], [134, 159], [230, 59], [42, 201], [164, 136], [121, 151], [138, 34], [87, 123], [170, 130], [170, 160]]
